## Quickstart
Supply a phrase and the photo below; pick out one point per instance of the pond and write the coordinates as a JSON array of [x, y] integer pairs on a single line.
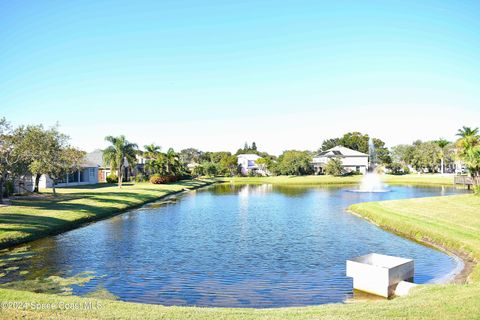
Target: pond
[[232, 246]]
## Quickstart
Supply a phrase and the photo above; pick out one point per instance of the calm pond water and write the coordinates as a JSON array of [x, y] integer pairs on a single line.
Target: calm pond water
[[233, 246]]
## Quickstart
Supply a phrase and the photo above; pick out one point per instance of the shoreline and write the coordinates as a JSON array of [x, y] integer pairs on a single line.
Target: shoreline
[[426, 302], [85, 221], [454, 277]]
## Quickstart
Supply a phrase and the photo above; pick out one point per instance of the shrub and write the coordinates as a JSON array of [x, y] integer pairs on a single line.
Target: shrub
[[334, 167], [159, 179], [476, 190], [140, 178], [112, 178], [7, 188]]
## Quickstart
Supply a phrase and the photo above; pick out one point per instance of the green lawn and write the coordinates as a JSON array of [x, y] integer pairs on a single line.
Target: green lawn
[[33, 217], [452, 221], [330, 180]]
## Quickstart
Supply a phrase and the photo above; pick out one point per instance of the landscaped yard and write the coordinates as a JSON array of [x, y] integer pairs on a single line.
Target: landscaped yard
[[453, 222]]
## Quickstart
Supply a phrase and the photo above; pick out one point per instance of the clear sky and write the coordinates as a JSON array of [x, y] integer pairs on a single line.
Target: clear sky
[[214, 74]]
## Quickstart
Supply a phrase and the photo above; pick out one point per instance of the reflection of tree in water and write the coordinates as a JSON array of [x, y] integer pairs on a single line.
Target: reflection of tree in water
[[291, 191], [227, 188], [245, 189]]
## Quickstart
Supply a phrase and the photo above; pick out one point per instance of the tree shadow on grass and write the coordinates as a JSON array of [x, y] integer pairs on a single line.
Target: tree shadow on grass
[[31, 224], [53, 213]]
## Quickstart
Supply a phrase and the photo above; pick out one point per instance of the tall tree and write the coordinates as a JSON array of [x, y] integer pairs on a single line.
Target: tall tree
[[35, 147], [120, 151], [467, 132], [468, 147], [403, 153], [9, 155], [151, 151], [173, 162], [191, 155], [426, 155], [293, 162], [329, 144], [228, 165], [64, 160], [442, 144]]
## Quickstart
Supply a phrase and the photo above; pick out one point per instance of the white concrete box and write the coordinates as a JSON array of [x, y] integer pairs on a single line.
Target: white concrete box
[[379, 274]]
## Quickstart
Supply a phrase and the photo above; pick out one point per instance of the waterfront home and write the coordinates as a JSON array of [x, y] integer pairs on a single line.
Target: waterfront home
[[88, 174], [104, 170], [352, 160], [248, 164], [96, 157]]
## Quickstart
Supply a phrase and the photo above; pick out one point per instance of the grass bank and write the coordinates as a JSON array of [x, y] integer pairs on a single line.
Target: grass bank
[[450, 222], [419, 179], [453, 222], [32, 217]]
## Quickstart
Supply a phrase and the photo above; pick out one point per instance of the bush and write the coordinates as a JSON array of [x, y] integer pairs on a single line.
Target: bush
[[159, 179], [476, 190], [112, 178], [398, 168], [140, 178], [334, 167], [7, 188]]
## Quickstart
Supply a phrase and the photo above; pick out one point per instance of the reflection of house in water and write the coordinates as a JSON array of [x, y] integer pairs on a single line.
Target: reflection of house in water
[[254, 189]]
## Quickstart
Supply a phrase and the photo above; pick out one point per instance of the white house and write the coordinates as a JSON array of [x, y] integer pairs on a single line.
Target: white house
[[352, 160], [248, 164]]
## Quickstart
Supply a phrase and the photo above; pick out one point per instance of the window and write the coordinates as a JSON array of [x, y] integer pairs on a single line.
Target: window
[[73, 177]]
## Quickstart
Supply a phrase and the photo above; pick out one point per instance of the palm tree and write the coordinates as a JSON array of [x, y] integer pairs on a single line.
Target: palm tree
[[469, 138], [151, 154], [467, 132], [172, 161], [442, 143], [468, 146], [151, 151], [118, 153]]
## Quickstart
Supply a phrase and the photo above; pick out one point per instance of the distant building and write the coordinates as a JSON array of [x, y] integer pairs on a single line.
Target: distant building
[[248, 164], [352, 160]]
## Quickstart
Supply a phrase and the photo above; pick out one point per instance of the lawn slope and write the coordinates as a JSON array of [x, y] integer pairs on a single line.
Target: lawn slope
[[33, 217]]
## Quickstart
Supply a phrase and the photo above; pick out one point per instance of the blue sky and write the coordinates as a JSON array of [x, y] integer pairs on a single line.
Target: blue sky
[[214, 74]]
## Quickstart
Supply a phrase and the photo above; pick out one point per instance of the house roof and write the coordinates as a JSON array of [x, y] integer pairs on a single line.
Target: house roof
[[94, 158], [249, 156], [341, 151]]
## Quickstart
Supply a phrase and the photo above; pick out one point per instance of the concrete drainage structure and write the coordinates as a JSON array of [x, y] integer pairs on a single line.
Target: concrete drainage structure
[[381, 274]]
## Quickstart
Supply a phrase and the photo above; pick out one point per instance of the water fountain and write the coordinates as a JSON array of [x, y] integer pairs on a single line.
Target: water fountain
[[371, 181]]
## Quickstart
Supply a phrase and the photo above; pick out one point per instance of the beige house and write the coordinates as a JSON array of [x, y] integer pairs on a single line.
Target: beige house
[[352, 160]]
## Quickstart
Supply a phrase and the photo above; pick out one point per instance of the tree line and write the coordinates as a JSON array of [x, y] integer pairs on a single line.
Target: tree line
[[35, 150]]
